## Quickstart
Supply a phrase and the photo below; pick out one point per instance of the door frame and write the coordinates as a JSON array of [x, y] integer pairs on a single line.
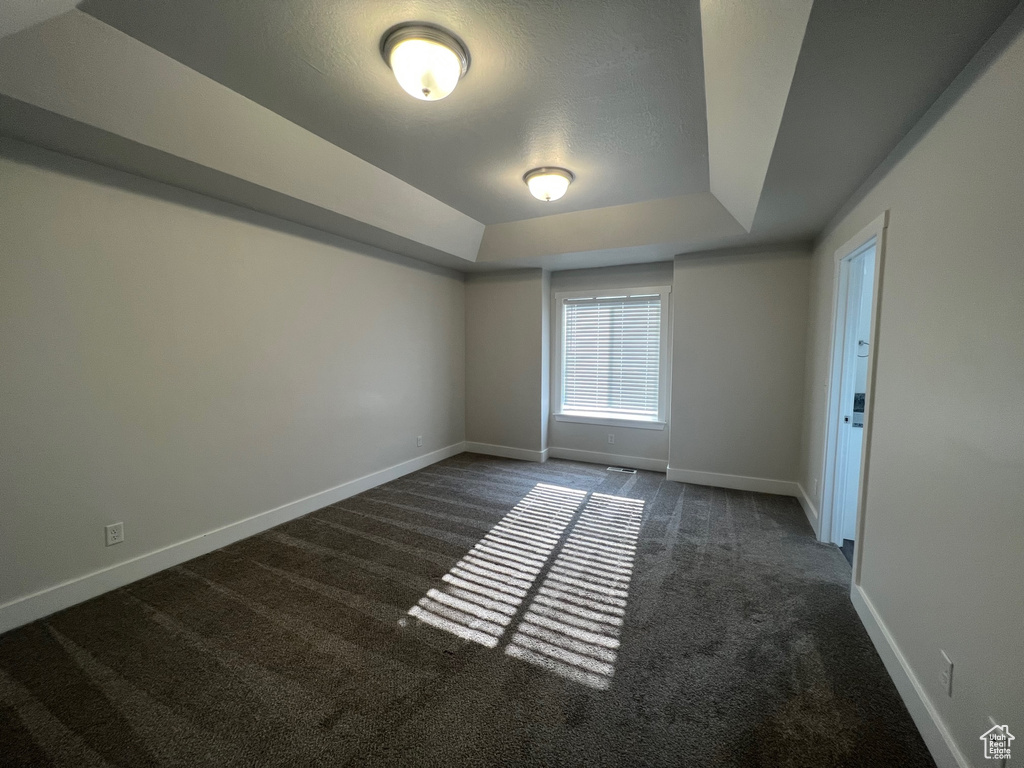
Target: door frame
[[873, 234]]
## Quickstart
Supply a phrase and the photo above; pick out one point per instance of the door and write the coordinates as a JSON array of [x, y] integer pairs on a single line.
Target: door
[[860, 268]]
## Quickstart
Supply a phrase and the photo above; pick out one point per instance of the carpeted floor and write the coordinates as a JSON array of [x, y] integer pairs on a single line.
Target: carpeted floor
[[479, 612]]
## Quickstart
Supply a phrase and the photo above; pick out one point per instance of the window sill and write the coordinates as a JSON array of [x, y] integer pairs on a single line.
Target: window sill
[[609, 421]]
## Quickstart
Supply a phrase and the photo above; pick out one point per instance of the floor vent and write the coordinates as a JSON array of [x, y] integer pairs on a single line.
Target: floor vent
[[622, 469]]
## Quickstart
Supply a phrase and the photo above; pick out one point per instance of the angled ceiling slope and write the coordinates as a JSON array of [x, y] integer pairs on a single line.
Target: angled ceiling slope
[[799, 116], [863, 81], [750, 55], [107, 97]]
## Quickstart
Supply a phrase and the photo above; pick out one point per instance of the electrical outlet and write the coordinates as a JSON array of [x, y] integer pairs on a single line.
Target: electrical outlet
[[419, 441], [947, 674], [115, 533], [611, 439]]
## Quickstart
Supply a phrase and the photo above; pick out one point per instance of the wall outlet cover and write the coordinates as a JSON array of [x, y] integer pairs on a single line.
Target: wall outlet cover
[[115, 533]]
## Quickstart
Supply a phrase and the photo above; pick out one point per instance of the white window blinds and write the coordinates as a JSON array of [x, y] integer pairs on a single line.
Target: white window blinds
[[611, 356]]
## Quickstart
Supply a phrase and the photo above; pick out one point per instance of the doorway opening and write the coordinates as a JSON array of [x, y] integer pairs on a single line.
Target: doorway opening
[[857, 284]]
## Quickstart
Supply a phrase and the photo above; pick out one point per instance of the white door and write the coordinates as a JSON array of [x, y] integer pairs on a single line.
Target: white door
[[853, 392]]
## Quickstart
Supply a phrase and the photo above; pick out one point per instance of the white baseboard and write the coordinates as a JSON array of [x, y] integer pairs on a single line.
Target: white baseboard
[[736, 482], [936, 736], [56, 598], [810, 510], [507, 452], [608, 459]]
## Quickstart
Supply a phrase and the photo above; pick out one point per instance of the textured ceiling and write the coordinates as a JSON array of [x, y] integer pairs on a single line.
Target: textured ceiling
[[612, 90], [868, 71]]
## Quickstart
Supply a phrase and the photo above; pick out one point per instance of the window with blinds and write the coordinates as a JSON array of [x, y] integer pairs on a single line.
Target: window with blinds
[[611, 350]]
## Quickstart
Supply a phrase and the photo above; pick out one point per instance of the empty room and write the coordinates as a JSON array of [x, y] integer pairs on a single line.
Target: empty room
[[470, 383]]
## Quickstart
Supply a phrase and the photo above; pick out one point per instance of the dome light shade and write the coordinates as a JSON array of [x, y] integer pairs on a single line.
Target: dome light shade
[[548, 184], [428, 61]]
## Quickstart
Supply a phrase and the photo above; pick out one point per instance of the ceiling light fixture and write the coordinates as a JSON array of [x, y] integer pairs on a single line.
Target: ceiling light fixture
[[428, 61], [548, 184]]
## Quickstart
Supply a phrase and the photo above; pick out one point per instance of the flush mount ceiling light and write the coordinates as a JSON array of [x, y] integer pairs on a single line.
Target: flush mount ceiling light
[[428, 61], [548, 184]]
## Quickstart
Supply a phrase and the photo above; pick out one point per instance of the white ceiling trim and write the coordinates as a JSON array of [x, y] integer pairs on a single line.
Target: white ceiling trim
[[750, 55]]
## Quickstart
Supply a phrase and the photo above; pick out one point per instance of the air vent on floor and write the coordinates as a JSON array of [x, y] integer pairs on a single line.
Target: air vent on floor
[[622, 469]]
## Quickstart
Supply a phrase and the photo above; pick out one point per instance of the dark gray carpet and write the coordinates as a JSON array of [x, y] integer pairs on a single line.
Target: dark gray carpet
[[611, 619]]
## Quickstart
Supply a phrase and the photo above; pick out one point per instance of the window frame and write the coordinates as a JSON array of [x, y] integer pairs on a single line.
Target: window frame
[[612, 420]]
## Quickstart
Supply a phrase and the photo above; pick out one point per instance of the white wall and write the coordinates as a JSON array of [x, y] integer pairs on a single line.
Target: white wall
[[943, 529], [179, 369], [633, 443], [504, 360], [738, 365]]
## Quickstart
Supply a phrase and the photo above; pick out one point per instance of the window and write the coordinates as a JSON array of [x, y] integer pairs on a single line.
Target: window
[[611, 356]]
